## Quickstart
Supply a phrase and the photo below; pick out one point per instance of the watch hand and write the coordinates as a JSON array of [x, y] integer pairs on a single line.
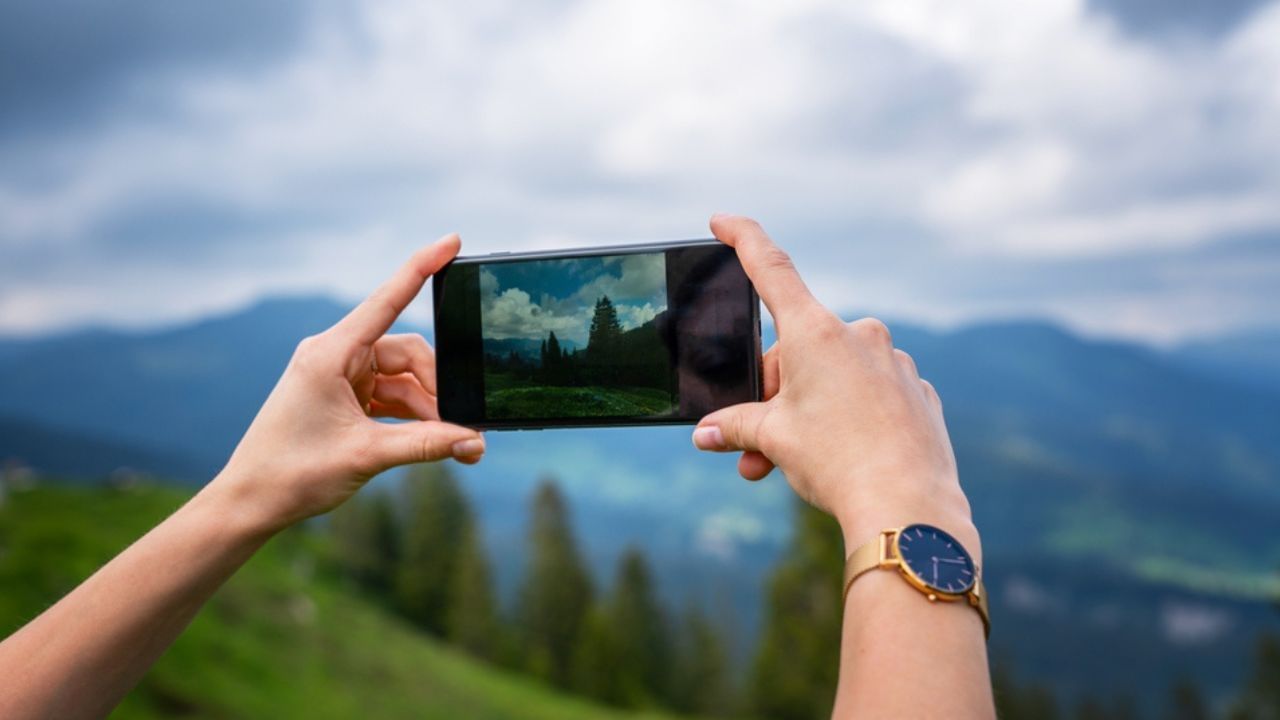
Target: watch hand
[[954, 562], [935, 571]]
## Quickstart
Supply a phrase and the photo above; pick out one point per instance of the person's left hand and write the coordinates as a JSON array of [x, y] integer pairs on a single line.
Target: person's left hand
[[314, 443]]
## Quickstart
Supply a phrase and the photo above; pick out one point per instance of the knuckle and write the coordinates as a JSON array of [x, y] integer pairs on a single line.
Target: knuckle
[[874, 331], [775, 258], [421, 348], [380, 302], [905, 358], [931, 391], [308, 352], [826, 327]]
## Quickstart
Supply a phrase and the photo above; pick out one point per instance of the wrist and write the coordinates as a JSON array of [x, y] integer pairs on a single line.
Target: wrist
[[227, 499], [896, 502]]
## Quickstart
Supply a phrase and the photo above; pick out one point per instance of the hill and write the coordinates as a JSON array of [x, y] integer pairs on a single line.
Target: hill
[[1251, 358], [189, 390], [1107, 472], [35, 445], [283, 639]]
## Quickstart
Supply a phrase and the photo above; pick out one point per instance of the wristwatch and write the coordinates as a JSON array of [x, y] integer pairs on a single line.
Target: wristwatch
[[929, 559]]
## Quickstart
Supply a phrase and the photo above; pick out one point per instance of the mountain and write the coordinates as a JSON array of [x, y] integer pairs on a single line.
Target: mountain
[[189, 390], [283, 639], [1250, 358], [524, 347], [1087, 463], [67, 453]]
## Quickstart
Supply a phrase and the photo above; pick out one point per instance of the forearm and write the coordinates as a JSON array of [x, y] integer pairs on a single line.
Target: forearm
[[81, 656], [902, 655]]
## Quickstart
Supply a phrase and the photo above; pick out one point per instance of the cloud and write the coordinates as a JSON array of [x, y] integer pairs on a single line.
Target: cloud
[[922, 159], [640, 278], [1161, 20], [633, 316], [513, 314]]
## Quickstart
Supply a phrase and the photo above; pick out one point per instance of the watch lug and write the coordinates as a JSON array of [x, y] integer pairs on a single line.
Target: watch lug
[[887, 537]]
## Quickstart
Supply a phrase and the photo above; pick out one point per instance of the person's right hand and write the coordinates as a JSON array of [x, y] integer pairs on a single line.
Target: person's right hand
[[846, 416]]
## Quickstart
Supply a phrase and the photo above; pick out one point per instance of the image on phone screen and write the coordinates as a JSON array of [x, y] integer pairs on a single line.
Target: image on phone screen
[[637, 335]]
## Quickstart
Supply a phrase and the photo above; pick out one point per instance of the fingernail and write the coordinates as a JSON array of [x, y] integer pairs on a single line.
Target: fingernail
[[463, 448], [708, 438]]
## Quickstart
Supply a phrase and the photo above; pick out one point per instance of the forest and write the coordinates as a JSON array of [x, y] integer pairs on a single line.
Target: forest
[[620, 643]]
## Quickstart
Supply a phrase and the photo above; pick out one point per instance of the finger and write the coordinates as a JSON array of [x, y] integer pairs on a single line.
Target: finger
[[405, 390], [390, 410], [772, 372], [422, 441], [769, 267], [754, 466], [373, 317], [932, 393], [736, 427], [407, 353], [907, 363]]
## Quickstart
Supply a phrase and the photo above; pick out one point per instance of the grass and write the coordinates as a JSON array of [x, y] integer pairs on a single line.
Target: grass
[[507, 397], [283, 639]]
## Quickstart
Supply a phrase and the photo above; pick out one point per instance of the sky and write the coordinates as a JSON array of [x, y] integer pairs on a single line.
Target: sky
[[1112, 165], [530, 300]]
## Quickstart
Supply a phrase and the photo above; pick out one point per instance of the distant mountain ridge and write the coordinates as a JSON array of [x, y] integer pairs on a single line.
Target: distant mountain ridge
[[1249, 357], [1114, 457], [528, 348]]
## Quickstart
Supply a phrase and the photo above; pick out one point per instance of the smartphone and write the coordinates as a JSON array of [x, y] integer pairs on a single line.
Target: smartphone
[[654, 334]]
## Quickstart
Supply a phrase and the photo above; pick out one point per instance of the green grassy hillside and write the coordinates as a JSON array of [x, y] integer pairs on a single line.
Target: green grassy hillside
[[283, 639]]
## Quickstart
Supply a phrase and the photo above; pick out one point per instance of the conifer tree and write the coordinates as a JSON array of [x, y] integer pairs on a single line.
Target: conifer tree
[[1017, 701], [596, 659], [556, 591], [797, 663], [1186, 702], [700, 685], [605, 330], [437, 521], [367, 542], [643, 635], [472, 621], [1261, 695]]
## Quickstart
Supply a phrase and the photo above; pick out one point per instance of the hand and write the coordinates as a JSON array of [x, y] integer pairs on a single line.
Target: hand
[[314, 442], [845, 415]]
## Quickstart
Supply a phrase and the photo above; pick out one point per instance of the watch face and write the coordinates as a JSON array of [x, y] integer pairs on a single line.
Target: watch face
[[936, 559]]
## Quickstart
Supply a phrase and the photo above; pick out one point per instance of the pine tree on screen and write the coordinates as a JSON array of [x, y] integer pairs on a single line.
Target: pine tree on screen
[[605, 330]]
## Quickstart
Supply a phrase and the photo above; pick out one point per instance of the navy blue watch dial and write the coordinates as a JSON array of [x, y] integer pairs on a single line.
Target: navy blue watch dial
[[936, 559]]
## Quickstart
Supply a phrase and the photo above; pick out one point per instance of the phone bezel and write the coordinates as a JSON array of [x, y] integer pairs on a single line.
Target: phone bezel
[[756, 378]]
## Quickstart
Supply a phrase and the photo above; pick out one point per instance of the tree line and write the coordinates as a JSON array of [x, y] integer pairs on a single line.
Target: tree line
[[419, 551]]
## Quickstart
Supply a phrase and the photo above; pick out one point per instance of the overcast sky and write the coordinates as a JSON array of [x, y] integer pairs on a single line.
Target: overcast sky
[[1114, 165]]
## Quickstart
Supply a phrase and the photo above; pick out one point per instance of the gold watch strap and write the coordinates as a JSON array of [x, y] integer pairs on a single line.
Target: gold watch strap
[[879, 553]]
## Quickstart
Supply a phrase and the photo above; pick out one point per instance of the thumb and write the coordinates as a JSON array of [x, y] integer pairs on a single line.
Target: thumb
[[424, 441], [733, 428]]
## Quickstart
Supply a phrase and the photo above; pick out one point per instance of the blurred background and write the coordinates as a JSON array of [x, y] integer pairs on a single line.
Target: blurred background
[[1068, 211]]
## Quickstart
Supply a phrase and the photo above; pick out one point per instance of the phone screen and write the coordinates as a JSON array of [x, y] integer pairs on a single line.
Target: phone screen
[[636, 335]]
